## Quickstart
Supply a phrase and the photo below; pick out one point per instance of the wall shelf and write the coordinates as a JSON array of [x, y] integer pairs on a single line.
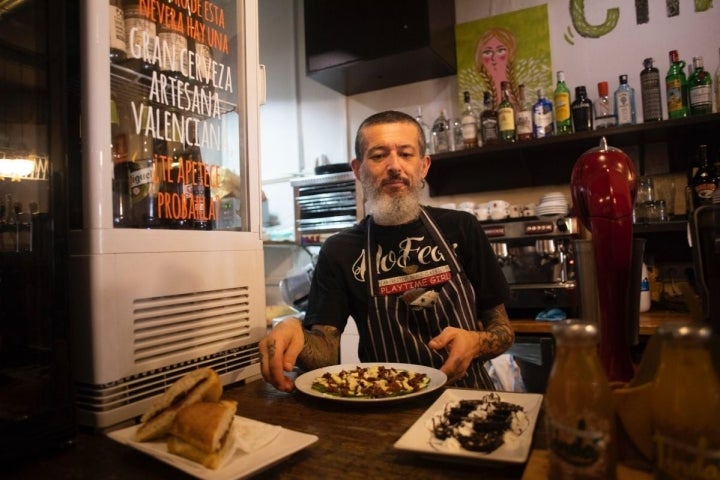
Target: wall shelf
[[549, 161]]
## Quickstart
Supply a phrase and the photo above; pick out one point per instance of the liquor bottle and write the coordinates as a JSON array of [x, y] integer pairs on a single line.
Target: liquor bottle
[[650, 91], [441, 133], [200, 203], [489, 121], [543, 116], [506, 116], [173, 45], [456, 134], [469, 123], [579, 413], [141, 166], [625, 102], [699, 89], [704, 181], [563, 117], [604, 112], [120, 186], [717, 87], [118, 45], [582, 110], [426, 132], [676, 87], [523, 119], [683, 409], [139, 33]]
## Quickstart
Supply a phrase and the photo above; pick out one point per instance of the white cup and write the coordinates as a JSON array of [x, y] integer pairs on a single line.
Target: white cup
[[498, 213], [466, 206], [449, 206], [482, 214], [515, 211]]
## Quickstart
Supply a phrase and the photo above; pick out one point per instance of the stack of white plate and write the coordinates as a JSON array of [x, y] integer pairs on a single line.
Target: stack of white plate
[[553, 203]]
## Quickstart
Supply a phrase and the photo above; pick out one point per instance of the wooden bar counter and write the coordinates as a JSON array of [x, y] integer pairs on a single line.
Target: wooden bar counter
[[355, 442], [649, 321]]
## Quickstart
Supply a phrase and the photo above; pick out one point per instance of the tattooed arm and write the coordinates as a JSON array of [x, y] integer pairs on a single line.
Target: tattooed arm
[[289, 342], [497, 335]]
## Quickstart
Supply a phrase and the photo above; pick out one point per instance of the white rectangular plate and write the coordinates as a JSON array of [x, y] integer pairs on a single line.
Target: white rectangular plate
[[268, 445], [418, 437]]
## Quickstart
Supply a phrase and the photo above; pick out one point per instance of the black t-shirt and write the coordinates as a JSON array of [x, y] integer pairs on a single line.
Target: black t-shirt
[[338, 287]]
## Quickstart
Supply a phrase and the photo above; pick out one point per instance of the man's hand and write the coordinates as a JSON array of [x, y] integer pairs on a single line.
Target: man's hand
[[463, 347], [279, 351]]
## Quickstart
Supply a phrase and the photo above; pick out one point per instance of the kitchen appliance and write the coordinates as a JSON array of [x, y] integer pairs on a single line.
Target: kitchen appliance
[[538, 260], [325, 204], [165, 245]]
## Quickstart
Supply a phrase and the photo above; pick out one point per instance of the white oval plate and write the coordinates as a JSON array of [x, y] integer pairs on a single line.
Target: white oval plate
[[305, 381]]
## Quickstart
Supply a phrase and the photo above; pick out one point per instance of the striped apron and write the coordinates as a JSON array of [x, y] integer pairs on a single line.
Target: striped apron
[[400, 333]]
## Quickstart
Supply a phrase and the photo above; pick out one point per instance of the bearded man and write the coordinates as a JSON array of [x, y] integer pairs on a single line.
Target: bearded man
[[422, 283]]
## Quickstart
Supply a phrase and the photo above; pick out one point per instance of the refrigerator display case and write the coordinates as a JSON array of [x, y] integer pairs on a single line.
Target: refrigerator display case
[[165, 248]]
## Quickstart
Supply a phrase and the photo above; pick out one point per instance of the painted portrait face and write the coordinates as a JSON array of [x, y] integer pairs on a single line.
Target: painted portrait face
[[494, 54]]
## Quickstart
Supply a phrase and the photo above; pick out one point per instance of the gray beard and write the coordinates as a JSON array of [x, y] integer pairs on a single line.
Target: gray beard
[[388, 210]]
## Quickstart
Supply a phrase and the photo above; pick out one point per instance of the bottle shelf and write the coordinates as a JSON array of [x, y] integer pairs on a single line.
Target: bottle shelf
[[549, 161]]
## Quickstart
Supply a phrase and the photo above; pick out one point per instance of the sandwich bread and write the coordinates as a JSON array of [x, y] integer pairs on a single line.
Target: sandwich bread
[[202, 384], [203, 432]]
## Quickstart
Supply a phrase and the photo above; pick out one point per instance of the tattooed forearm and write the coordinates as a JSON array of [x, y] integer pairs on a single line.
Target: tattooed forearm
[[498, 334], [321, 348]]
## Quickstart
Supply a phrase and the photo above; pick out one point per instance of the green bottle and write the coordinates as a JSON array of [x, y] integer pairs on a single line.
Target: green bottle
[[506, 116], [563, 116], [676, 87], [699, 89]]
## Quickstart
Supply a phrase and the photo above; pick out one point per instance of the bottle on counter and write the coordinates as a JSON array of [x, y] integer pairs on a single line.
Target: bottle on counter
[[561, 98], [118, 45], [685, 402], [579, 413], [139, 33], [582, 110], [456, 134], [543, 116], [676, 87], [523, 118], [650, 91], [506, 116], [604, 112], [704, 182], [441, 133], [700, 89], [426, 131], [624, 101], [469, 123], [489, 121]]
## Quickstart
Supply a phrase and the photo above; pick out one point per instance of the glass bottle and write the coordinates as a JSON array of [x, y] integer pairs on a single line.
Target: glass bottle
[[604, 112], [523, 119], [563, 117], [139, 33], [685, 403], [506, 116], [141, 176], [456, 134], [676, 87], [650, 91], [173, 43], [441, 133], [582, 110], [469, 123], [118, 45], [699, 89], [426, 131], [625, 102], [489, 121], [704, 181], [543, 116], [579, 414]]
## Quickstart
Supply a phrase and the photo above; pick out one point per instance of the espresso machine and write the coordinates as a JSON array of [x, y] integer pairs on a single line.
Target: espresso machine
[[538, 259]]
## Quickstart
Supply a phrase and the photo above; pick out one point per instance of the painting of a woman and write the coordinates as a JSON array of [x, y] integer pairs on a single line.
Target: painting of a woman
[[495, 61]]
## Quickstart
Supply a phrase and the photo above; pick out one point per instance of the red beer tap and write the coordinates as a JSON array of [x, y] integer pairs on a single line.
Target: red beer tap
[[603, 187]]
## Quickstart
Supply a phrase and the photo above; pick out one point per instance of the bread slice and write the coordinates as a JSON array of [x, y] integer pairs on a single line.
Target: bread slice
[[202, 384], [202, 432]]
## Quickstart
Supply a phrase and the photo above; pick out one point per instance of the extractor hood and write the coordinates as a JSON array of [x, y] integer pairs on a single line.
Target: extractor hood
[[357, 46]]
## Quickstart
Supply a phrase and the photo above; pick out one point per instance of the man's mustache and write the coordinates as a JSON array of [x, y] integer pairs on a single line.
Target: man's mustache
[[393, 179]]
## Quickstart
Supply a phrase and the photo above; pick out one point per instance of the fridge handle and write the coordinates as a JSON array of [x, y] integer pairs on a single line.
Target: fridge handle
[[262, 90]]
